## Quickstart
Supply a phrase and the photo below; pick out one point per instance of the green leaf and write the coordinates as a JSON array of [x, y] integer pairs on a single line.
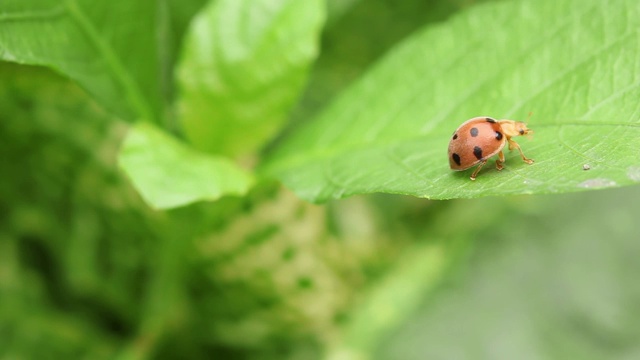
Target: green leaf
[[110, 48], [168, 173], [243, 65], [575, 64]]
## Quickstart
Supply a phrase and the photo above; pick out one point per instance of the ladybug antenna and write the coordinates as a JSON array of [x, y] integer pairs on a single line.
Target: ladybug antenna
[[529, 116], [529, 136]]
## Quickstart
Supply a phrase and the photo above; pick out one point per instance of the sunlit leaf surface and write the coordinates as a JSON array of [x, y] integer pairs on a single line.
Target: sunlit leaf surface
[[574, 64], [168, 173], [110, 48], [243, 65]]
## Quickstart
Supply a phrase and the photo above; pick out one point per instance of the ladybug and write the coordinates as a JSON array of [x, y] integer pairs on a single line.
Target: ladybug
[[479, 138]]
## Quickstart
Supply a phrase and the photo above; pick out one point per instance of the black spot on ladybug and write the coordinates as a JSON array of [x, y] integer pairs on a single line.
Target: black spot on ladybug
[[456, 158], [491, 120], [455, 136], [474, 132], [477, 151], [498, 135]]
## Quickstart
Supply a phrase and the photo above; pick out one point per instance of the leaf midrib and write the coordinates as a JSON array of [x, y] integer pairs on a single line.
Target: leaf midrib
[[289, 162], [134, 95]]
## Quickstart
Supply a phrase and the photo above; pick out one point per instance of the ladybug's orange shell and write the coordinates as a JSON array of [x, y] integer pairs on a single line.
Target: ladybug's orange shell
[[474, 141]]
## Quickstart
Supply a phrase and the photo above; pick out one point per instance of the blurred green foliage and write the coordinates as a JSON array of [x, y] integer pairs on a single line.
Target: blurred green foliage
[[554, 279], [88, 271]]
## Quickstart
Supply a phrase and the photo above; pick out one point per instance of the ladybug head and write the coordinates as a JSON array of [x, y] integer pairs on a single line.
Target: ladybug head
[[514, 128]]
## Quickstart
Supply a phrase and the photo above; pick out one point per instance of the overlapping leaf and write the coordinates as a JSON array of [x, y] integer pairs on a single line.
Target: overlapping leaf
[[168, 173], [243, 65], [110, 48], [574, 64]]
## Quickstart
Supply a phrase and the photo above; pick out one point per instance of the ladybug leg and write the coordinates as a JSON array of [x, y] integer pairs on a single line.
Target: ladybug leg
[[475, 173], [514, 145], [500, 161]]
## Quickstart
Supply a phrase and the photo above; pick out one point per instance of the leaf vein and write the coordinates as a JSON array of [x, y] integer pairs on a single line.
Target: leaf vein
[[55, 12], [132, 90]]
